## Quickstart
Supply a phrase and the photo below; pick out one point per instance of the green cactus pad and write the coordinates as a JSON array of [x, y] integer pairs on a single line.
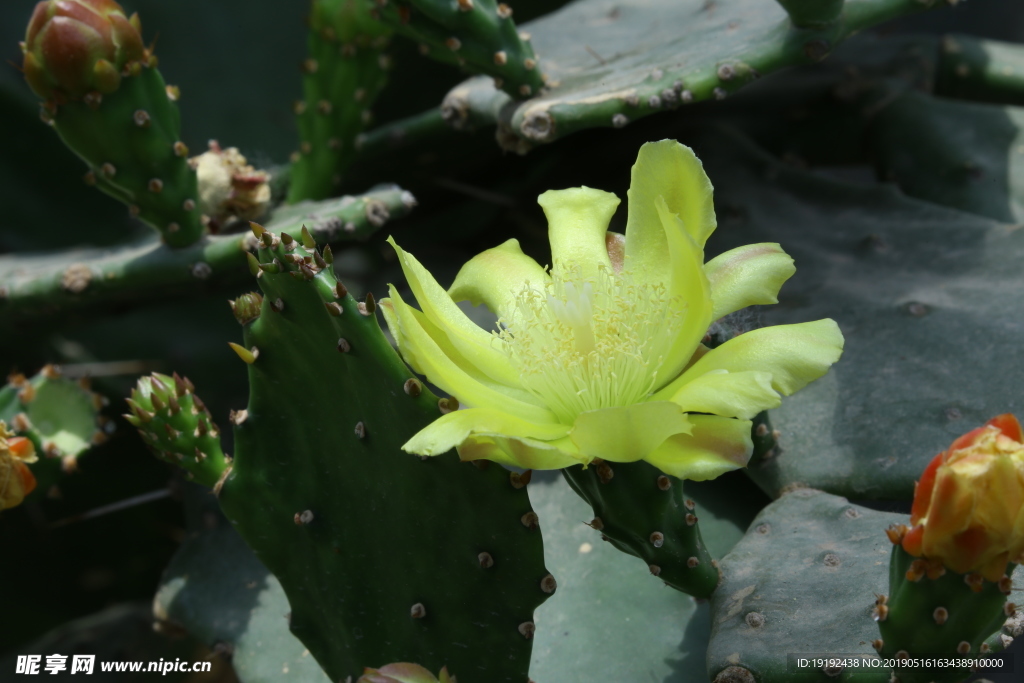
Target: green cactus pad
[[345, 71], [131, 141], [60, 415], [984, 70], [218, 591], [34, 287], [385, 557], [964, 155], [941, 616], [607, 65], [177, 427], [909, 283], [645, 513], [479, 35], [803, 581]]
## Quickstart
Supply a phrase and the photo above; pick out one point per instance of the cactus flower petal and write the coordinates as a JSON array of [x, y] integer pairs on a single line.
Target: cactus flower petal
[[729, 394], [672, 171], [795, 355], [750, 275], [450, 430], [16, 479], [968, 507], [474, 343], [526, 453], [716, 445], [600, 357], [577, 223], [628, 433], [495, 277], [425, 354], [403, 672]]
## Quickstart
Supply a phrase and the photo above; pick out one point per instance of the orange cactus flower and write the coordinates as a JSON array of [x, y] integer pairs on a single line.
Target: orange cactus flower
[[968, 507], [16, 480]]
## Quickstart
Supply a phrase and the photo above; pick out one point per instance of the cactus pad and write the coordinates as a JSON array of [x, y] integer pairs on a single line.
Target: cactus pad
[[384, 557], [60, 415], [610, 63], [800, 550], [908, 282]]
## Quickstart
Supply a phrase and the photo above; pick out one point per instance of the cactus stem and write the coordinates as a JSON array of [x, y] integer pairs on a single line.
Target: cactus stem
[[245, 354]]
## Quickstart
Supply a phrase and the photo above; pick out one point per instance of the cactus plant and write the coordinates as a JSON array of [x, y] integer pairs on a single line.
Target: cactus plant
[[343, 74], [103, 94], [301, 536]]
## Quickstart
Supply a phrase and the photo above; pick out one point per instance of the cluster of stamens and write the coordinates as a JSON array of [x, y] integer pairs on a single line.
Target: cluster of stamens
[[588, 343]]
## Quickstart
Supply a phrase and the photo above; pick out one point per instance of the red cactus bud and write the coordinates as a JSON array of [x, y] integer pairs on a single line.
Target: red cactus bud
[[74, 47], [16, 480], [968, 510]]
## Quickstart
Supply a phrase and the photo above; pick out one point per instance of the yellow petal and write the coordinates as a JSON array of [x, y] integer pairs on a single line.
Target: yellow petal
[[795, 355], [449, 431], [670, 170], [427, 358], [495, 277], [629, 433], [688, 288], [473, 342], [526, 453], [729, 394], [747, 276], [577, 222], [716, 445]]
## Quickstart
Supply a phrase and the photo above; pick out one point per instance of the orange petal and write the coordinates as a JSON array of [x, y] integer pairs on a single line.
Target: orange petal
[[967, 440], [1008, 425], [21, 447], [912, 540], [923, 490]]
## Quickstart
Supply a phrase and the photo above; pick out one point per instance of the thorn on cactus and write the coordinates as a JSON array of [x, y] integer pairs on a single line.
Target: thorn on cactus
[[418, 611], [247, 355]]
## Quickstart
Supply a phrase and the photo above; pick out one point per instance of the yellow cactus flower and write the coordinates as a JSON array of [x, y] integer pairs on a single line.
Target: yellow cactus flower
[[600, 356], [16, 480], [404, 673], [968, 508]]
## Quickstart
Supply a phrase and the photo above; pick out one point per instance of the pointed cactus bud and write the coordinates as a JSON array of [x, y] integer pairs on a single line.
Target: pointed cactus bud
[[74, 47], [968, 507]]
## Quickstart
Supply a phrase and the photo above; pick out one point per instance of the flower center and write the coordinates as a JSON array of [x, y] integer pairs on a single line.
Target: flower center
[[589, 343]]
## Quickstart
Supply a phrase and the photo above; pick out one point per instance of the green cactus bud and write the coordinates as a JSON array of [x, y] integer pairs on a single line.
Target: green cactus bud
[[76, 47], [177, 427]]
